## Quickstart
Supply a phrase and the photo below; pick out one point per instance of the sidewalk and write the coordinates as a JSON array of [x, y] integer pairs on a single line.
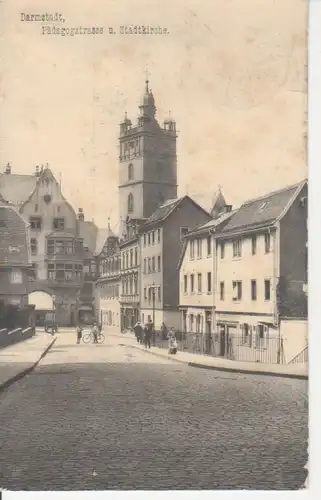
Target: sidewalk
[[298, 371], [19, 359]]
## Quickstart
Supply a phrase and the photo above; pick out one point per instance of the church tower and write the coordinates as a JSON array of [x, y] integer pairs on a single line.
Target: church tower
[[148, 162]]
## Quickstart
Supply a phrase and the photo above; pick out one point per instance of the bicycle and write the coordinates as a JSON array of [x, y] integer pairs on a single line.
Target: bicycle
[[88, 338]]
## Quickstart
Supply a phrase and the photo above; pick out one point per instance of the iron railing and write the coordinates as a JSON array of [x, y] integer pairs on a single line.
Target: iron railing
[[233, 347], [302, 357]]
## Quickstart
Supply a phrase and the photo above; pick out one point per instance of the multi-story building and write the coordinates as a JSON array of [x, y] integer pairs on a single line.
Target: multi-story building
[[261, 269], [197, 280], [130, 275], [14, 257], [161, 241], [56, 242], [108, 283]]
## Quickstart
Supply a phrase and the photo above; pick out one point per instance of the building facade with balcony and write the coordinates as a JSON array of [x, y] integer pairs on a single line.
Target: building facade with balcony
[[161, 240], [261, 271], [56, 242]]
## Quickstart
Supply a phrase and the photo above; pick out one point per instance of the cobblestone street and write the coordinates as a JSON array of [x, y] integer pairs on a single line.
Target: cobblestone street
[[112, 417]]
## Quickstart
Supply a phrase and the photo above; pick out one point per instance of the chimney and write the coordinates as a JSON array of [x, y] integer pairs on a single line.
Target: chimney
[[80, 214], [8, 169], [37, 173]]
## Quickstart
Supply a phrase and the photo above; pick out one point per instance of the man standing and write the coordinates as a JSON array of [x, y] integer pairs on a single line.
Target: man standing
[[138, 332], [147, 335], [79, 334], [95, 332]]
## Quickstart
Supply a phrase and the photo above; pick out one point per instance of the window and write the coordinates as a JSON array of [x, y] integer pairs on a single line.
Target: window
[[51, 272], [158, 235], [267, 289], [191, 322], [185, 283], [192, 249], [199, 248], [183, 232], [237, 290], [246, 336], [209, 282], [153, 264], [192, 283], [136, 257], [222, 290], [159, 263], [253, 290], [145, 293], [149, 238], [253, 245], [144, 240], [222, 247], [159, 293], [209, 245], [130, 172], [131, 258], [145, 266], [35, 223], [149, 265], [267, 242], [58, 224], [153, 237], [237, 248], [130, 203], [199, 283], [262, 333], [34, 246], [16, 276]]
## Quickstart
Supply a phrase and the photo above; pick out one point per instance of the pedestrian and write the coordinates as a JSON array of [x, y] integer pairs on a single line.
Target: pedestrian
[[138, 330], [172, 343], [95, 332], [147, 335], [164, 331], [79, 334]]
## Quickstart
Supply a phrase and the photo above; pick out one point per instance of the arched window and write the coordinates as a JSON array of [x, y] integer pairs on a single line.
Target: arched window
[[130, 203], [130, 172]]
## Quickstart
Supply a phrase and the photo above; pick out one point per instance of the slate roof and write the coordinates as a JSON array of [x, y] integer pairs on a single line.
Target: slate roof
[[262, 211], [212, 224], [16, 188], [168, 207], [14, 237]]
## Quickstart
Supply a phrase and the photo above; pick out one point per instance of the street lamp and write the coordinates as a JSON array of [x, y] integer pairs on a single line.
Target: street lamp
[[154, 333]]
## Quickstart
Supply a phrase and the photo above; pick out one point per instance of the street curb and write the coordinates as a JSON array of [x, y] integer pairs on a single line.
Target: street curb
[[249, 372], [28, 370], [223, 368]]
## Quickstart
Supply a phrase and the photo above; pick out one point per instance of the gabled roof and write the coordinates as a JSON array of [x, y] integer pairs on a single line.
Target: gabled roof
[[16, 188], [88, 231], [14, 237], [263, 211], [102, 236], [168, 207], [205, 229]]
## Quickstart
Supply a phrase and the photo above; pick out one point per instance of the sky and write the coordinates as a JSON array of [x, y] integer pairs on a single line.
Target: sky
[[232, 74]]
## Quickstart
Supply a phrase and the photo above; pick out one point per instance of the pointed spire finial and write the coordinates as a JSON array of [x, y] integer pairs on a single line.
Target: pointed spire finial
[[147, 80]]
